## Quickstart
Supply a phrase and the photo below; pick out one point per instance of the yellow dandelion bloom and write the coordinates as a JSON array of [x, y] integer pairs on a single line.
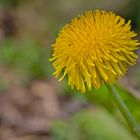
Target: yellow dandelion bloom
[[94, 48]]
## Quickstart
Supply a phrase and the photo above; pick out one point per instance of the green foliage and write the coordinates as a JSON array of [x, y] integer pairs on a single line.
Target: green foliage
[[11, 3], [103, 98], [27, 58], [132, 102], [91, 125], [100, 96], [8, 53]]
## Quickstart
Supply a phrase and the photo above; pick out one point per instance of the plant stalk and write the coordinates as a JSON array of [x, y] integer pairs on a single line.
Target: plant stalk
[[124, 110]]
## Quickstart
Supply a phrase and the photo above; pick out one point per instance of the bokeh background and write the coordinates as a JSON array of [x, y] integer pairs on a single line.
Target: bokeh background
[[33, 104]]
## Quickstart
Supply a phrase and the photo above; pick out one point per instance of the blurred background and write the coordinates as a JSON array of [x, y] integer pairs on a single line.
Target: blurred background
[[33, 104]]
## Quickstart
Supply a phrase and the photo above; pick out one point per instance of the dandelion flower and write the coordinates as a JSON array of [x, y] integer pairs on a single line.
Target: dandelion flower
[[94, 48]]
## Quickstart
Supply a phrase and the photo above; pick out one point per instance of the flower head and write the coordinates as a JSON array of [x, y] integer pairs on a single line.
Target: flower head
[[94, 48]]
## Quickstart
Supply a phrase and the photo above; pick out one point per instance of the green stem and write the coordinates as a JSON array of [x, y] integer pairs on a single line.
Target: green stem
[[124, 110]]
